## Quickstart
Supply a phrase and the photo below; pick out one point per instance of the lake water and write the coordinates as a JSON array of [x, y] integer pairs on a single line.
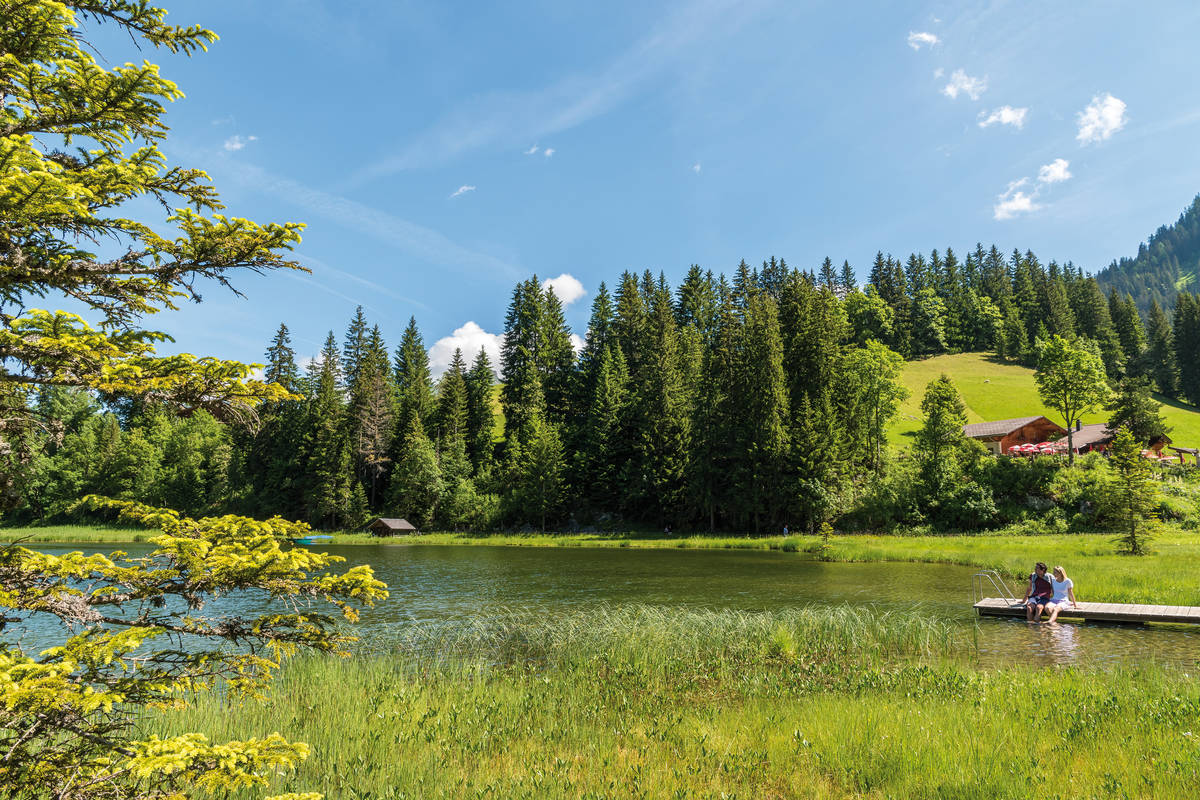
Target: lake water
[[448, 583]]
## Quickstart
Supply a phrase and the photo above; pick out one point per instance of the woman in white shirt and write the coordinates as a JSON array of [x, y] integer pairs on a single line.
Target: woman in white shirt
[[1063, 592]]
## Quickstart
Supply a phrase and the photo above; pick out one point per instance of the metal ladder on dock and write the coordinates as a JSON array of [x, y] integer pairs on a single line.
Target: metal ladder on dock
[[990, 577]]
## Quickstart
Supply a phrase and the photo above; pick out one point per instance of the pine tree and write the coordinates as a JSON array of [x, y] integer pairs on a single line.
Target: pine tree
[[763, 423], [371, 418], [1132, 334], [541, 479], [598, 456], [1131, 495], [481, 415], [452, 401], [1134, 407], [355, 347], [281, 361], [330, 470], [414, 385], [522, 394], [416, 485], [1094, 321], [1160, 351], [828, 276], [697, 300], [1186, 332], [846, 280]]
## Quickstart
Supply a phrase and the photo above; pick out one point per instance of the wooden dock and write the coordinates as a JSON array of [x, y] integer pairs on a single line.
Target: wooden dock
[[1106, 612]]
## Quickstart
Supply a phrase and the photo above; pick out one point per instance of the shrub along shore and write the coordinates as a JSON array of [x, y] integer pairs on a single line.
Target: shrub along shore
[[644, 702], [1165, 577]]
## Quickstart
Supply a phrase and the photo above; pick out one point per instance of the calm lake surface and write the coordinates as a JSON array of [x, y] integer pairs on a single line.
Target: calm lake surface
[[444, 584]]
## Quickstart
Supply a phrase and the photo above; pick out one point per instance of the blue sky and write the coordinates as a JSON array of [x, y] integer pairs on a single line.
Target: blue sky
[[439, 152]]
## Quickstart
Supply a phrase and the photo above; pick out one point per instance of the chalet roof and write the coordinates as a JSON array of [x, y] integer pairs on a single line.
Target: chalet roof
[[1001, 427], [393, 524], [1095, 433]]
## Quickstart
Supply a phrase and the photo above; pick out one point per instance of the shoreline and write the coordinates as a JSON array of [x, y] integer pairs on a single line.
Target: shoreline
[[1164, 577]]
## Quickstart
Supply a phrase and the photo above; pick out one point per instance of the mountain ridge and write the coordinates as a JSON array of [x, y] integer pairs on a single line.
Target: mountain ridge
[[1166, 264]]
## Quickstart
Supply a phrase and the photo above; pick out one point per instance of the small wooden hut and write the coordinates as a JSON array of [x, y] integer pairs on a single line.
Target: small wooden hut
[[1003, 434], [391, 527]]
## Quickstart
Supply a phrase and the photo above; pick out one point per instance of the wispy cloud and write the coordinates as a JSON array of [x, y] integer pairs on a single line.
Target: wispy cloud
[[515, 118], [1055, 172], [407, 237], [1013, 201], [578, 343], [469, 338], [1004, 115], [321, 268], [919, 39], [566, 287], [235, 143], [696, 167], [549, 151], [462, 190], [532, 150], [962, 83], [1103, 117]]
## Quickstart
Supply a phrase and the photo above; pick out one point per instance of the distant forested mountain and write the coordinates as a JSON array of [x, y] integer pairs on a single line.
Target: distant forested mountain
[[1165, 265]]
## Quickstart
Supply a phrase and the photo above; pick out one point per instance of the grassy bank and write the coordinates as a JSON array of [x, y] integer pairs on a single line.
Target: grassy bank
[[1166, 577], [644, 703]]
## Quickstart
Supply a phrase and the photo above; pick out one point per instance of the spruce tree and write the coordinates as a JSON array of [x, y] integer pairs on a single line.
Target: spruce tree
[[452, 401], [598, 457], [371, 418], [1186, 331], [414, 385], [556, 358], [416, 485], [522, 393], [481, 414], [355, 346], [1131, 496], [330, 471], [1130, 331], [281, 361], [1134, 407], [1094, 321], [1160, 351]]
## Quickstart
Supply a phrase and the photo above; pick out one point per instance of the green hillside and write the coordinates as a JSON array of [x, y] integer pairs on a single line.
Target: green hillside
[[995, 390]]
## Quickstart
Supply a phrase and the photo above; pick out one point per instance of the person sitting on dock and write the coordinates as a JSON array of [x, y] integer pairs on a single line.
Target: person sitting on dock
[[1064, 591], [1037, 594]]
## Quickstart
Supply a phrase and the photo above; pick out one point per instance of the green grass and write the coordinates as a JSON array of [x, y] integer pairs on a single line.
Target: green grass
[[993, 390], [641, 702], [1166, 577], [59, 534]]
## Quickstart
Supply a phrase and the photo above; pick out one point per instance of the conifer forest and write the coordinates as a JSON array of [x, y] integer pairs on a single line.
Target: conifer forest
[[739, 402]]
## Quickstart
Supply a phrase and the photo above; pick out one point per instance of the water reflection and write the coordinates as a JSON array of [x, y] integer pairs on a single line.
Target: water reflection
[[447, 585]]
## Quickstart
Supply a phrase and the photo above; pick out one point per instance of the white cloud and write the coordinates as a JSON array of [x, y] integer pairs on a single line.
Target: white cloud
[[531, 150], [1101, 119], [1013, 201], [462, 190], [917, 40], [696, 167], [962, 83], [566, 287], [938, 73], [1055, 172], [549, 151], [469, 338], [1004, 115], [577, 342], [235, 143]]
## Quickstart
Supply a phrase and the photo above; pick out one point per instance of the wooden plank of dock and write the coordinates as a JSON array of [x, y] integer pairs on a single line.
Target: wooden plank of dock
[[1107, 612]]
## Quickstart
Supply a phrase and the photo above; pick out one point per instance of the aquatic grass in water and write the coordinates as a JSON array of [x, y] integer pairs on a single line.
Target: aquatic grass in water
[[651, 702]]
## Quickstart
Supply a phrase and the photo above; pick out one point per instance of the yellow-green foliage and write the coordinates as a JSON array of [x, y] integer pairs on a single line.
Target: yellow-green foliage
[[712, 704], [64, 712]]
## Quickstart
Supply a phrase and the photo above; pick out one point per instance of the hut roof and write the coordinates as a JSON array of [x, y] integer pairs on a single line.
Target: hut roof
[[1096, 433], [1001, 427], [393, 524]]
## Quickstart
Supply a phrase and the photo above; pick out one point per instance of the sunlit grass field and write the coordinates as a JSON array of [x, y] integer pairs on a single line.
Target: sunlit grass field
[[993, 390], [644, 702]]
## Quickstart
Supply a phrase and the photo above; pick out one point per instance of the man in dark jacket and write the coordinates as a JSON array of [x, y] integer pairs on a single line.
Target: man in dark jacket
[[1037, 594]]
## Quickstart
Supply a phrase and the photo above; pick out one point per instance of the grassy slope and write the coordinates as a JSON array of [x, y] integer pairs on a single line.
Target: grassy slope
[[995, 390]]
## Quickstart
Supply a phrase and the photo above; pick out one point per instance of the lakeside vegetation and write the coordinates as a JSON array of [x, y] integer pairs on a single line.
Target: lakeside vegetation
[[642, 702], [1165, 577]]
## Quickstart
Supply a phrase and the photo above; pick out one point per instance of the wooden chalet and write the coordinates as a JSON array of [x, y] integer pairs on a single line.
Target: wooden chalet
[[1003, 434], [384, 526]]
